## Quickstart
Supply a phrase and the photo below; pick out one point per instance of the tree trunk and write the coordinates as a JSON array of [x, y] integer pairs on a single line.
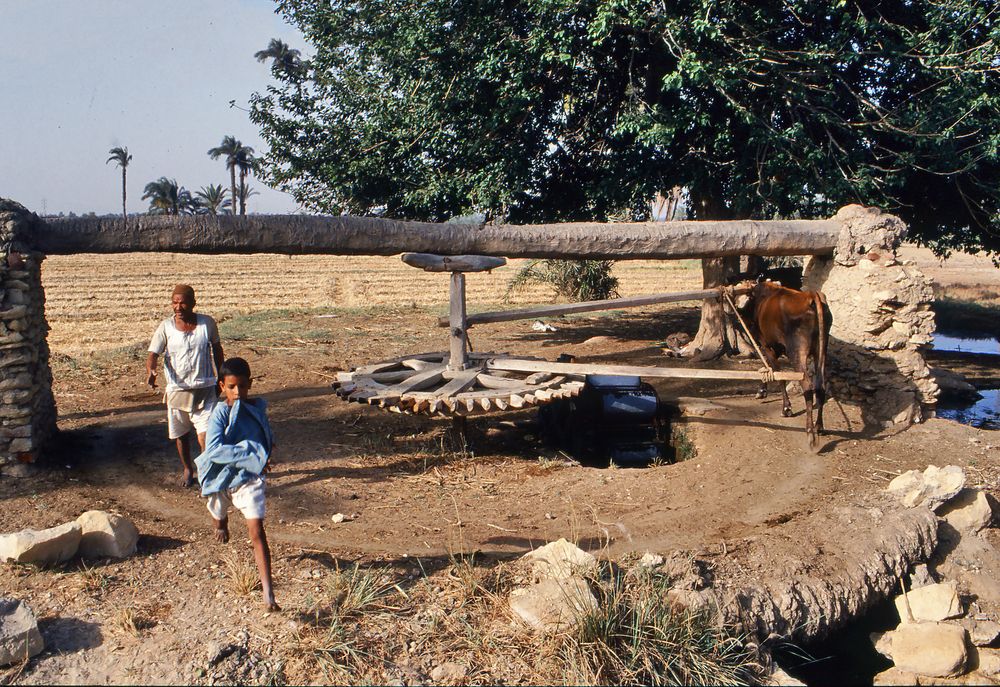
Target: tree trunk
[[716, 334], [232, 181], [124, 212], [243, 193], [345, 235]]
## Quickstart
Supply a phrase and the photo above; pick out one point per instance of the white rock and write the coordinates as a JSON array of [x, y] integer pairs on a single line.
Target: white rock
[[984, 632], [42, 547], [106, 535], [931, 488], [989, 662], [930, 603], [894, 676], [782, 679], [559, 560], [337, 517], [449, 673], [540, 326], [650, 560], [970, 511], [931, 649], [19, 635], [553, 605]]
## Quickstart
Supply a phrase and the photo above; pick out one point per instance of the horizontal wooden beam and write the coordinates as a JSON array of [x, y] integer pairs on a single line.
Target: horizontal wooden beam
[[452, 263], [343, 235], [521, 365], [589, 306]]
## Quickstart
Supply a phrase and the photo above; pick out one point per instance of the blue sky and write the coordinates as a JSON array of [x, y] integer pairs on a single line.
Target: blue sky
[[78, 77]]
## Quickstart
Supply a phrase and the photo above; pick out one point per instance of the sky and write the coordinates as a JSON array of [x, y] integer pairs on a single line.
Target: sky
[[79, 77]]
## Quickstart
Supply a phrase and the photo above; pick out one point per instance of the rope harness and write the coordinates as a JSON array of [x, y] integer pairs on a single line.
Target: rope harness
[[766, 372]]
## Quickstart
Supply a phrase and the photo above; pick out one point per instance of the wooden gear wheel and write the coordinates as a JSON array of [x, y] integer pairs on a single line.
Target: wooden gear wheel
[[424, 384]]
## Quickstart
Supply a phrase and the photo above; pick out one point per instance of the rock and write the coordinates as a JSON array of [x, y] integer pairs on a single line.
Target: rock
[[782, 679], [931, 488], [970, 511], [932, 649], [553, 605], [540, 326], [920, 576], [954, 386], [692, 405], [894, 676], [930, 603], [106, 535], [989, 662], [19, 635], [687, 599], [449, 673], [983, 632], [42, 547], [650, 560], [560, 560], [337, 517]]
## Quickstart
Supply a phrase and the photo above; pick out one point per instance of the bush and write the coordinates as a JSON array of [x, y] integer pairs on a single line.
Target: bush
[[576, 280]]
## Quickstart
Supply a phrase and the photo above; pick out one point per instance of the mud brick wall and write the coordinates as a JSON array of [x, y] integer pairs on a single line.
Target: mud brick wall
[[882, 320], [27, 407]]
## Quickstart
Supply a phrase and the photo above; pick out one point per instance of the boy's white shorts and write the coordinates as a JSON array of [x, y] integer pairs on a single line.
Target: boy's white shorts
[[180, 422], [247, 498]]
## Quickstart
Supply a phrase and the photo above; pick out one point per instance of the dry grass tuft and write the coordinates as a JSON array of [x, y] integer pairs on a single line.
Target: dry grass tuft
[[241, 574], [132, 620]]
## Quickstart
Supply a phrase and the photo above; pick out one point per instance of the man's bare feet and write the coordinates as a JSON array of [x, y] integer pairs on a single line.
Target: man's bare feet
[[222, 531], [187, 480], [270, 605]]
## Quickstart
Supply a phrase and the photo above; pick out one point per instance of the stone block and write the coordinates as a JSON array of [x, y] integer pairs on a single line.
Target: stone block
[[930, 603], [894, 676], [42, 547], [930, 489], [105, 535], [930, 649], [19, 635], [553, 605], [970, 511], [560, 559]]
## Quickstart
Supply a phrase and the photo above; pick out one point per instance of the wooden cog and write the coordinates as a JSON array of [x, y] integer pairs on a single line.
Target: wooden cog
[[423, 384]]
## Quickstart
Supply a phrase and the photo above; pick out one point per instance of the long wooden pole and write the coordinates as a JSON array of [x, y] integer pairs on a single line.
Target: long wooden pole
[[301, 234], [520, 365], [590, 306]]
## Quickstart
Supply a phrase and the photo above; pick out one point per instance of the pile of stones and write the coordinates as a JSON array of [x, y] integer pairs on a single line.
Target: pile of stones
[[938, 639]]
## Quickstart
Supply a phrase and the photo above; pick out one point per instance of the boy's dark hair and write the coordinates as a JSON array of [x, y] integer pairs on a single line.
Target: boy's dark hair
[[237, 367]]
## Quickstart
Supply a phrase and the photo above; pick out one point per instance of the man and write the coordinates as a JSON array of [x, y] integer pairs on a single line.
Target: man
[[192, 354]]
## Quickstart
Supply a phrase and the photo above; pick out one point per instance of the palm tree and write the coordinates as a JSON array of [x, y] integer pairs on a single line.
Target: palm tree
[[245, 161], [121, 157], [167, 198], [285, 58], [245, 193], [237, 155], [212, 199]]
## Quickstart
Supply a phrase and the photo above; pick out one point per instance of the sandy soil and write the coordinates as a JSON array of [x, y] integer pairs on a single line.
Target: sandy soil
[[750, 503]]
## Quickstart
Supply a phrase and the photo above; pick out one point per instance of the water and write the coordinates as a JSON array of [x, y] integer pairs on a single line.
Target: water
[[962, 344], [984, 413]]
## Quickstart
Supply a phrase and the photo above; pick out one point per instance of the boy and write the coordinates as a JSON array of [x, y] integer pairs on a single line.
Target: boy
[[238, 445]]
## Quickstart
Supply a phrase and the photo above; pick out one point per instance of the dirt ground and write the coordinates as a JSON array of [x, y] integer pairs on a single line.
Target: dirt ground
[[421, 510]]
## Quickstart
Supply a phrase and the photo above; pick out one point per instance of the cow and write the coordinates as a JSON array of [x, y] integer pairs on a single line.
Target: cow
[[796, 324]]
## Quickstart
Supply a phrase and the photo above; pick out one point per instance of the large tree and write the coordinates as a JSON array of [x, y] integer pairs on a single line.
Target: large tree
[[559, 110], [167, 198], [121, 157]]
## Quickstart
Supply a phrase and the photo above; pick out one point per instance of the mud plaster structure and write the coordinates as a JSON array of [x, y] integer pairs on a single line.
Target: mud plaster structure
[[881, 311], [27, 407], [882, 319]]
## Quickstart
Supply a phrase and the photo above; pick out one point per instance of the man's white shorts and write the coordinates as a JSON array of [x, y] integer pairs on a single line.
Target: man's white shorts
[[247, 498], [180, 422]]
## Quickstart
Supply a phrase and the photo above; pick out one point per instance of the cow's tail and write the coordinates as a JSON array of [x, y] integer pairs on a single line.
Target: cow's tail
[[818, 301]]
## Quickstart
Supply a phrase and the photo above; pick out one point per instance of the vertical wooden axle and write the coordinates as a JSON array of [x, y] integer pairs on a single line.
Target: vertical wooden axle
[[457, 324]]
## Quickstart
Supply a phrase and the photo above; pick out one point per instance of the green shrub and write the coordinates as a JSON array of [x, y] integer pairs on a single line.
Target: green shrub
[[577, 280]]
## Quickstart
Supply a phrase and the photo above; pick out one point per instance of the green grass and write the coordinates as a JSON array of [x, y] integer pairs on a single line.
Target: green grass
[[684, 448]]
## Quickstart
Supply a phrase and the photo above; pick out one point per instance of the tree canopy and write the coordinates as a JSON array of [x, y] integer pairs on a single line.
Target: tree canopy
[[557, 110]]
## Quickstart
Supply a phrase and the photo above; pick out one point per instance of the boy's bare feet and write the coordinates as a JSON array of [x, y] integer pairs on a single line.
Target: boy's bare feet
[[187, 480], [222, 531], [270, 605]]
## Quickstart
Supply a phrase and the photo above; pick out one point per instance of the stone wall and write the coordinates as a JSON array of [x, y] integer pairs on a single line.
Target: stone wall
[[27, 407], [881, 320]]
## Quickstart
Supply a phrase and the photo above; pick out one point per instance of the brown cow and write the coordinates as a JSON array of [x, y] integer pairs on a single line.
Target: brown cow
[[796, 323]]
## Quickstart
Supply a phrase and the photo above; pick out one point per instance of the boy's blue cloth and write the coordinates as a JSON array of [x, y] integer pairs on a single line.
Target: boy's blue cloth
[[238, 443]]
